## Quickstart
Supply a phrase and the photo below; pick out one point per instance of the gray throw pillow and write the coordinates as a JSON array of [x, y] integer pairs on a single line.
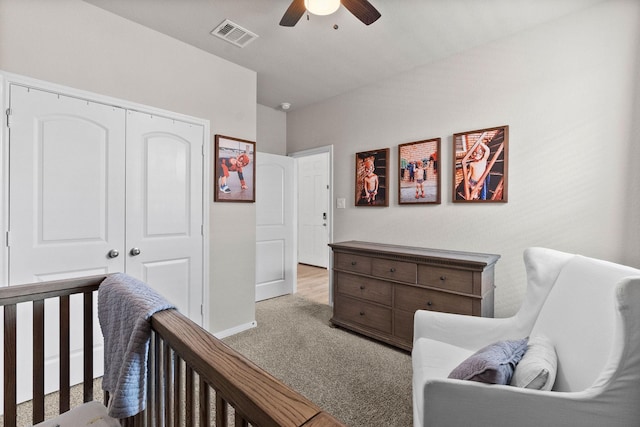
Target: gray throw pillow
[[493, 364]]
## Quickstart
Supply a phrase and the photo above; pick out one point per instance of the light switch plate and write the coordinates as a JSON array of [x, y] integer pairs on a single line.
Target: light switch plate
[[341, 203]]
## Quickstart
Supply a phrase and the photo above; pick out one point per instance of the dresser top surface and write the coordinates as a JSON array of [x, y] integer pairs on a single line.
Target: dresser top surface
[[427, 253]]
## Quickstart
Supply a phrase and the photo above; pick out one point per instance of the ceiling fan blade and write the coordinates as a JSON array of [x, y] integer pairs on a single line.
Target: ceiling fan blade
[[363, 10], [293, 14]]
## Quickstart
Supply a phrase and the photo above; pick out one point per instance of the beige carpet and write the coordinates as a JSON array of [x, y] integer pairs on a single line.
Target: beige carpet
[[359, 381]]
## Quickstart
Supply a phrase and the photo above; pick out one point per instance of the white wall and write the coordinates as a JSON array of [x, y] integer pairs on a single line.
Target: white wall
[[566, 89], [72, 43], [272, 131]]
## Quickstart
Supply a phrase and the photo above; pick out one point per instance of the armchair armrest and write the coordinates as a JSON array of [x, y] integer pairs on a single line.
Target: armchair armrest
[[466, 331]]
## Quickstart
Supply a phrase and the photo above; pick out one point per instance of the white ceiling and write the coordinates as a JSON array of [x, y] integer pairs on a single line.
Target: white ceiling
[[313, 61]]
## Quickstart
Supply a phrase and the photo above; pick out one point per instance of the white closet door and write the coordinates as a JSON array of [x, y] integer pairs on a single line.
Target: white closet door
[[164, 241], [66, 209], [66, 178]]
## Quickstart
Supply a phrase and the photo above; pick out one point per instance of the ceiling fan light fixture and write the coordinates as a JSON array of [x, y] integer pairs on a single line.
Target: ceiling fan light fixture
[[322, 7]]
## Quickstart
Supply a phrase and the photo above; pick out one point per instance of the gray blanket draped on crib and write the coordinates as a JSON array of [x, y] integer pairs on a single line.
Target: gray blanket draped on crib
[[125, 307]]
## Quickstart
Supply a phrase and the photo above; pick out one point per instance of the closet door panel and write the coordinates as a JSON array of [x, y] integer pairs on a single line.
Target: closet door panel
[[164, 208], [66, 186]]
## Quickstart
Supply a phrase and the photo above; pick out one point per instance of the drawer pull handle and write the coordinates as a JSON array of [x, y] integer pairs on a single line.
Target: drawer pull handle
[[361, 286], [429, 303], [443, 278], [362, 313], [393, 270], [353, 263]]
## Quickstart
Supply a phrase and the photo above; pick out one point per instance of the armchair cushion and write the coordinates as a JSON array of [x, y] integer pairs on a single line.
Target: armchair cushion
[[493, 364], [537, 369]]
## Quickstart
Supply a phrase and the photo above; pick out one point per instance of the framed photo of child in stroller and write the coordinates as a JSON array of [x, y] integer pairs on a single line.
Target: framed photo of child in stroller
[[371, 178], [419, 180], [480, 168], [235, 170]]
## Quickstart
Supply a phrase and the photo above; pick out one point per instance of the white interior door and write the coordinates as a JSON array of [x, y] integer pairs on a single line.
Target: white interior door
[[66, 180], [164, 242], [313, 209], [66, 206], [275, 226]]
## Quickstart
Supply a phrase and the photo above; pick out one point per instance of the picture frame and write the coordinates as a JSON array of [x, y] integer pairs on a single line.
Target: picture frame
[[235, 170], [371, 174], [480, 165], [421, 187]]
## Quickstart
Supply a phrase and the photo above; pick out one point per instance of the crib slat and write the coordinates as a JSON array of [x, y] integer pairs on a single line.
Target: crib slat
[[10, 365], [240, 421], [88, 347], [166, 382], [221, 411], [38, 361], [188, 397], [177, 389], [65, 359], [205, 410], [151, 381], [157, 412]]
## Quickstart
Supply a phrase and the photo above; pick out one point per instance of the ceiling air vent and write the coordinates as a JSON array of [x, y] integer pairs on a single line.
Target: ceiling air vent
[[233, 33]]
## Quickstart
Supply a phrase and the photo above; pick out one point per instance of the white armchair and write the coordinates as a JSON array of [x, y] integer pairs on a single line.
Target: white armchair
[[590, 310]]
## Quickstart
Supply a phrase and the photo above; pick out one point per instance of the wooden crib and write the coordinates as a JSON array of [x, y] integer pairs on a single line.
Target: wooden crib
[[193, 378]]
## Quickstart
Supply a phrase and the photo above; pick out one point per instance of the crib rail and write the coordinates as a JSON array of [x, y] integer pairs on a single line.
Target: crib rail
[[193, 378], [197, 379], [36, 294]]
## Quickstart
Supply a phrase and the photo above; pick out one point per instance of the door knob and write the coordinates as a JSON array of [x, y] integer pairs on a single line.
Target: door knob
[[113, 253], [134, 251]]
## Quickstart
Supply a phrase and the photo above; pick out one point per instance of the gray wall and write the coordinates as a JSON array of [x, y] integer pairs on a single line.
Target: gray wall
[[72, 43], [568, 91], [272, 131]]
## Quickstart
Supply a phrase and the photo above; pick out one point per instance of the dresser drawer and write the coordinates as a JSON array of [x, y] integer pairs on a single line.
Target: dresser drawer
[[362, 313], [446, 278], [410, 298], [355, 263], [364, 288], [394, 270]]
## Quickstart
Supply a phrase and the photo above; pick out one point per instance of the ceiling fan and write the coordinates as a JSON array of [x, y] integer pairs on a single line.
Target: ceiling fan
[[361, 9]]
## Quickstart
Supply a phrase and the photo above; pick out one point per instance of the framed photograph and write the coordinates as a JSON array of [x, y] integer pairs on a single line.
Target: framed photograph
[[371, 178], [235, 170], [480, 172], [419, 180]]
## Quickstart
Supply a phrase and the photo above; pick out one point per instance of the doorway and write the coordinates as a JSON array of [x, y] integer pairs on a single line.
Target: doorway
[[315, 217], [275, 226]]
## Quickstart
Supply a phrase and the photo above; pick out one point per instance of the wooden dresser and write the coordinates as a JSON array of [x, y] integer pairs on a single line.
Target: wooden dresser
[[378, 287]]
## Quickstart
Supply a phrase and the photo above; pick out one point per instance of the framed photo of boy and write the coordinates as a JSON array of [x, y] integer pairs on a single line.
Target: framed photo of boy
[[235, 170], [480, 169], [371, 178], [419, 180]]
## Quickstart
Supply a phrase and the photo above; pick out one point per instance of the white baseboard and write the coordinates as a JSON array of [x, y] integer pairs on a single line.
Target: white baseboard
[[235, 330]]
